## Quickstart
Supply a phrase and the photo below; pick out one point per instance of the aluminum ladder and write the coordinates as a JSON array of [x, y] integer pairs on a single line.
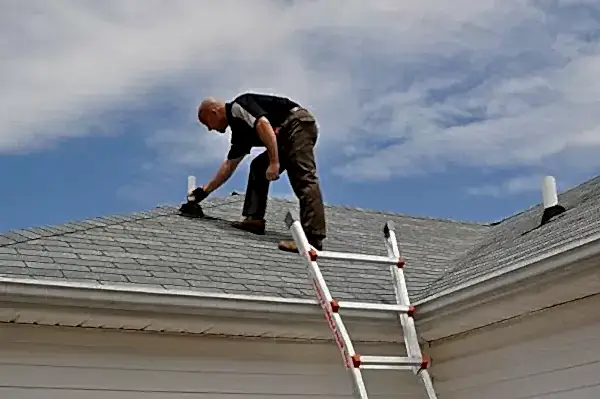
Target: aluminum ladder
[[415, 360]]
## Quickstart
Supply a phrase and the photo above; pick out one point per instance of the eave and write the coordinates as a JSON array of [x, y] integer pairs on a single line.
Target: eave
[[169, 310], [560, 275], [440, 315]]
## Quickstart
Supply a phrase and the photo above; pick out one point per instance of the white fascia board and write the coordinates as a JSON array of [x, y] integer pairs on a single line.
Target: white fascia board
[[171, 301], [570, 255], [81, 292]]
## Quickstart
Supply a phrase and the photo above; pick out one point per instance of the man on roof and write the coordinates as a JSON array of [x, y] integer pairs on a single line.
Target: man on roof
[[289, 133]]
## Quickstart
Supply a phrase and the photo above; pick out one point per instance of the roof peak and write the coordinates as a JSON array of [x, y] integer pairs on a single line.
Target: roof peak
[[30, 233], [332, 205], [117, 218]]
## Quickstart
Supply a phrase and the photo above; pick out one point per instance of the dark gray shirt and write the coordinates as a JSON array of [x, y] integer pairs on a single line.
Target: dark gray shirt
[[244, 112]]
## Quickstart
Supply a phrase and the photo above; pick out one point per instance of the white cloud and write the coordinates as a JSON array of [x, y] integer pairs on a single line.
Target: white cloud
[[399, 87], [509, 187]]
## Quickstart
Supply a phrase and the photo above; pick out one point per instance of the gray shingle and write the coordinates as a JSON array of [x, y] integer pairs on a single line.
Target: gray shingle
[[159, 247], [520, 238]]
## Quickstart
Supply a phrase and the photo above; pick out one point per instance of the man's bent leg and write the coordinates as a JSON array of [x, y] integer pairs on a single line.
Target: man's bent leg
[[257, 191], [302, 172]]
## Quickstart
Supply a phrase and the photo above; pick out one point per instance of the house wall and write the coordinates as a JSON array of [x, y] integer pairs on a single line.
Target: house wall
[[551, 354], [45, 362]]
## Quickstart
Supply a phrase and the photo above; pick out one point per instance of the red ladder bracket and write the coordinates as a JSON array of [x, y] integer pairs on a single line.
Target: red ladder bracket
[[425, 363]]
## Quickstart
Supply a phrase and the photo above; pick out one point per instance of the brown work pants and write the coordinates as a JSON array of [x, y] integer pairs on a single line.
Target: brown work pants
[[296, 140]]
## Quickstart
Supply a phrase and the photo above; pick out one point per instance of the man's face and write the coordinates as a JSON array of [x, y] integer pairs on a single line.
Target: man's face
[[213, 120]]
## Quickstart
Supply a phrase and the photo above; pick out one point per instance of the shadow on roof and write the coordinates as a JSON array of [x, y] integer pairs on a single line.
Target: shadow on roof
[[224, 225]]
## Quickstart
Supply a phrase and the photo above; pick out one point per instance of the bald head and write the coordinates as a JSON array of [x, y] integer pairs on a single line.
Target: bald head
[[212, 114], [210, 103]]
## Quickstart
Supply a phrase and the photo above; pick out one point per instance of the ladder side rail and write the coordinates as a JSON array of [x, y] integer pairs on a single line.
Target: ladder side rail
[[336, 325], [411, 339], [410, 336], [408, 324], [406, 334], [426, 378]]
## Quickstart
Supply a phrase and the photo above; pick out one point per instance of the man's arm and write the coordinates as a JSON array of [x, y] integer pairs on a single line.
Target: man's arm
[[267, 135], [223, 174]]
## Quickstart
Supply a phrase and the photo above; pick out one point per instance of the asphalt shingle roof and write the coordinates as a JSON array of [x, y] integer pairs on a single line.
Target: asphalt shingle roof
[[161, 248], [521, 238]]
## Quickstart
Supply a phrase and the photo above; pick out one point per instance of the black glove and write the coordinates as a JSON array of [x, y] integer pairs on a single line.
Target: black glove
[[191, 209], [198, 195]]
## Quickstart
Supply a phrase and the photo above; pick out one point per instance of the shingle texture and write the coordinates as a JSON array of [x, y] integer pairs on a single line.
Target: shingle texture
[[521, 238], [161, 248]]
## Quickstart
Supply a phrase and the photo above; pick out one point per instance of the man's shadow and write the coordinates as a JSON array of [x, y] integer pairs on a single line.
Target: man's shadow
[[225, 226]]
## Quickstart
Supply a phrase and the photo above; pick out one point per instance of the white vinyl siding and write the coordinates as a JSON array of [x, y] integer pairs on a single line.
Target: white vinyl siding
[[55, 363], [554, 354], [551, 354]]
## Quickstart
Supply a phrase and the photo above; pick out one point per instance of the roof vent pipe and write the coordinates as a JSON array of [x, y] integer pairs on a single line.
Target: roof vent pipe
[[551, 206], [191, 184]]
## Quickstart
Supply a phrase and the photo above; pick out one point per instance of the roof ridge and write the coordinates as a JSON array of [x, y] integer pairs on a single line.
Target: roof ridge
[[33, 233], [390, 213]]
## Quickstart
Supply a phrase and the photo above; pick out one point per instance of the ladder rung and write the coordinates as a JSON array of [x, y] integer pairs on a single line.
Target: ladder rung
[[382, 307], [386, 260], [389, 362]]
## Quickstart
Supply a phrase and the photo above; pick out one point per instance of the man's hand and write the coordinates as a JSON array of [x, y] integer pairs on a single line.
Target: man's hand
[[273, 171], [198, 195]]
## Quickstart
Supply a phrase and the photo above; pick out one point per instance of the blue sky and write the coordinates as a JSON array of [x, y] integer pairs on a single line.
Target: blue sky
[[444, 109]]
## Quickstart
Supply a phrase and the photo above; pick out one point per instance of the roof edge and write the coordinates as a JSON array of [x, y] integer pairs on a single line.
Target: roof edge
[[520, 272], [193, 303], [168, 301]]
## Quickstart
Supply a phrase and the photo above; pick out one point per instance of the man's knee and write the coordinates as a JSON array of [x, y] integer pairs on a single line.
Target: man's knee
[[305, 168], [305, 184]]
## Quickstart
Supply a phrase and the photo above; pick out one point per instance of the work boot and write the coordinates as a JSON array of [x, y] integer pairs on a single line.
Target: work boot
[[251, 225], [290, 245]]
